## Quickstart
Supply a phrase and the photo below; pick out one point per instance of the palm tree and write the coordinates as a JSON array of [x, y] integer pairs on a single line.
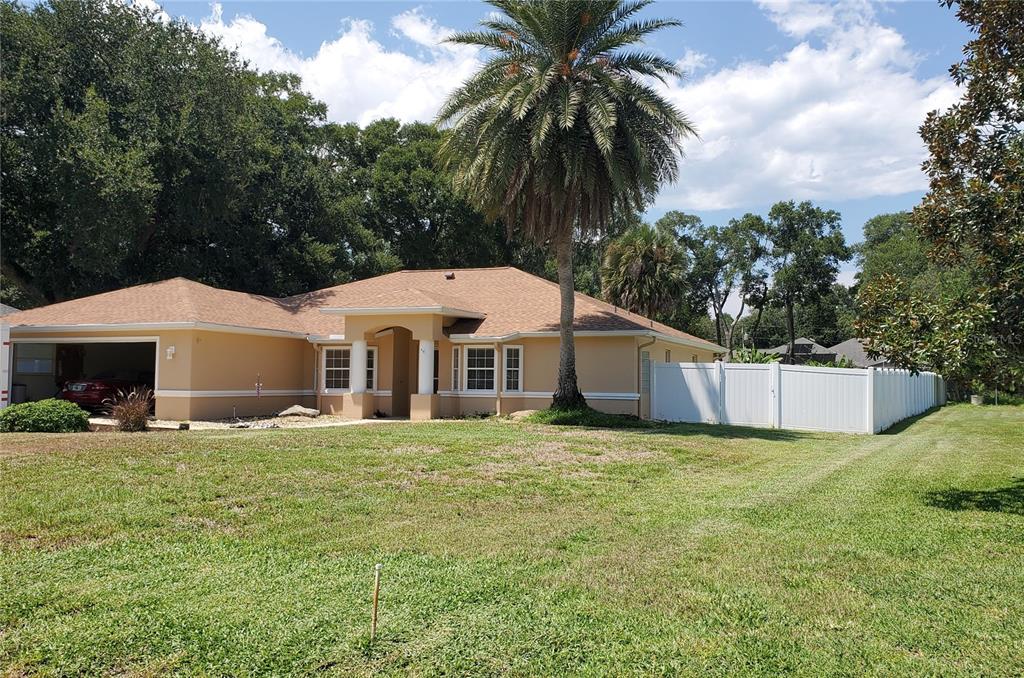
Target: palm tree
[[561, 127], [644, 271]]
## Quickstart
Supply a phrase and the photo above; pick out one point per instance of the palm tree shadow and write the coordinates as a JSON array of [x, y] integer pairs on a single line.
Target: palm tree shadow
[[1009, 499]]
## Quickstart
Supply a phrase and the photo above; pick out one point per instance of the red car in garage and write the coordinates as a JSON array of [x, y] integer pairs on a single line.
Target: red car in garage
[[96, 393]]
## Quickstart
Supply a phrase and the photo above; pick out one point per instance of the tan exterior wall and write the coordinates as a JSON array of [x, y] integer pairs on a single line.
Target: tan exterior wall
[[220, 361], [604, 365], [202, 408], [217, 361]]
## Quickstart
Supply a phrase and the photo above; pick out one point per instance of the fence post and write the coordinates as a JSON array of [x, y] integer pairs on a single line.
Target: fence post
[[651, 387], [774, 395], [720, 373], [869, 403]]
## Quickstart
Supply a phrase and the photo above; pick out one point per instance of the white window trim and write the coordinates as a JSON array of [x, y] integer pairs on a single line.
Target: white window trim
[[371, 384], [504, 368], [323, 370], [465, 371], [456, 368], [341, 391]]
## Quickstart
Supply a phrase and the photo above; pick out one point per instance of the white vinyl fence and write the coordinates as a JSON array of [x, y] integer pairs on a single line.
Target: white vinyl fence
[[791, 396]]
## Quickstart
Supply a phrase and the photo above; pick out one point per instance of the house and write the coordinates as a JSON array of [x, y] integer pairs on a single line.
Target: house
[[855, 350], [7, 310], [421, 344], [804, 349]]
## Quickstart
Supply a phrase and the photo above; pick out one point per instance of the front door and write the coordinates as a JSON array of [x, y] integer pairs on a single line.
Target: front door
[[400, 370]]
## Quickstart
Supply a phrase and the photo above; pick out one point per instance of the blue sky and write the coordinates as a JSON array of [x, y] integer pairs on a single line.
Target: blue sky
[[793, 100]]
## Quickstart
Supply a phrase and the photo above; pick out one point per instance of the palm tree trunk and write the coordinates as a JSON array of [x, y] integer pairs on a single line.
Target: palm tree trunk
[[567, 395]]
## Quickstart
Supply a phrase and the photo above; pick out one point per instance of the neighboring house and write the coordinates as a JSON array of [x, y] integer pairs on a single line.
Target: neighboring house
[[421, 344], [855, 350], [7, 310], [804, 349]]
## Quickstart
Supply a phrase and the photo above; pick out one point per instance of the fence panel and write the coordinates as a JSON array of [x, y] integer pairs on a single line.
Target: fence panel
[[744, 390], [685, 392], [824, 398], [791, 396]]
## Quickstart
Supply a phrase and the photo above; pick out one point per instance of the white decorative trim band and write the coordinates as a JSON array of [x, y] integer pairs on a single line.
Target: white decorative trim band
[[692, 343], [122, 327], [246, 393], [593, 395]]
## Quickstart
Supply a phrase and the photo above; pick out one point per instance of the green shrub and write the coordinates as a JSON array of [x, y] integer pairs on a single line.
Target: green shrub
[[843, 362], [131, 409], [586, 416], [44, 416], [753, 356]]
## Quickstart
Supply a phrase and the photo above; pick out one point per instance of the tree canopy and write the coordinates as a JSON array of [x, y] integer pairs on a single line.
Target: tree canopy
[[644, 272], [971, 219], [136, 150], [807, 247]]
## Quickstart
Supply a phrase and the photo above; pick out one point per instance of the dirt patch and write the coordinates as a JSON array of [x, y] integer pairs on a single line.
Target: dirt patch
[[565, 458]]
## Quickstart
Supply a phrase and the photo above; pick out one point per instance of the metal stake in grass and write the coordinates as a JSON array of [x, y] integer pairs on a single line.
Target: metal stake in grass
[[376, 596]]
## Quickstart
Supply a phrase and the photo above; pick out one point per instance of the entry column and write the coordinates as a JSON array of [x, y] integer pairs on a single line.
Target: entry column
[[426, 371], [357, 373]]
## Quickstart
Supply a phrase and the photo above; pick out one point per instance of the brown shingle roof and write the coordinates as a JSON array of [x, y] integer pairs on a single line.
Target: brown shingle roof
[[177, 300], [512, 301]]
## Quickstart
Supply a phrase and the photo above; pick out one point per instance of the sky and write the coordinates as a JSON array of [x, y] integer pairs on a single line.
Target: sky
[[792, 100]]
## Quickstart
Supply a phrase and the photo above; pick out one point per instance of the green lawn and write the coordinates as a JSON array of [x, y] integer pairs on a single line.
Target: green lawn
[[515, 548]]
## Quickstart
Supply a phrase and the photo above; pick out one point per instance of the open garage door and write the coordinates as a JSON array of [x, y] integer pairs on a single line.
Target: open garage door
[[86, 371]]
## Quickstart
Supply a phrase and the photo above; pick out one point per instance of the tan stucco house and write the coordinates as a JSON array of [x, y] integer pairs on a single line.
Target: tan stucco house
[[421, 344]]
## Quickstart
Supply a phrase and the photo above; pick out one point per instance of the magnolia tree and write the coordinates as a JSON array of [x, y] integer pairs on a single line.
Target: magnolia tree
[[972, 218]]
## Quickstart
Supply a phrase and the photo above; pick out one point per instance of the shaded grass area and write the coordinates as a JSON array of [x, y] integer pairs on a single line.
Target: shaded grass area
[[517, 548], [587, 416]]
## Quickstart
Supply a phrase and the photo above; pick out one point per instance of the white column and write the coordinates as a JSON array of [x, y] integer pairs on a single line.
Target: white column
[[426, 380], [357, 373]]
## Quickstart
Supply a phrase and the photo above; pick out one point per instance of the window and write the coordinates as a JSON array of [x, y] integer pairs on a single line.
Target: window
[[456, 371], [437, 371], [371, 369], [479, 369], [513, 368], [693, 358], [34, 366], [337, 362], [668, 355], [645, 371]]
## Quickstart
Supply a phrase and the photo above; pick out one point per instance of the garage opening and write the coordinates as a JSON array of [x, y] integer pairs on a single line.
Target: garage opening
[[86, 373]]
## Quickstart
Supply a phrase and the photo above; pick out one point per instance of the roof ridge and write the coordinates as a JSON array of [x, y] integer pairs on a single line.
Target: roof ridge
[[192, 310], [454, 268]]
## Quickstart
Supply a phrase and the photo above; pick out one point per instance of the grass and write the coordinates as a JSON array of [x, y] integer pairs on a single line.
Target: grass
[[587, 416], [516, 548]]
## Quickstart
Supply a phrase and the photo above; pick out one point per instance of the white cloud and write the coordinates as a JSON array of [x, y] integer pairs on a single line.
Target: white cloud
[[153, 6], [833, 118], [693, 61], [834, 121], [420, 29], [355, 75]]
